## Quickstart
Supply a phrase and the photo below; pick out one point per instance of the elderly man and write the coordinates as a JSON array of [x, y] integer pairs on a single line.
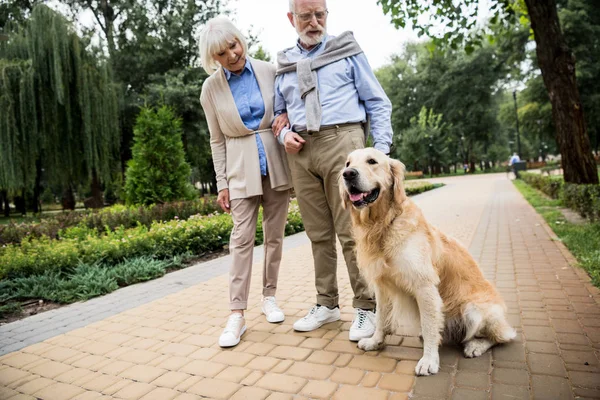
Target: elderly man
[[329, 91]]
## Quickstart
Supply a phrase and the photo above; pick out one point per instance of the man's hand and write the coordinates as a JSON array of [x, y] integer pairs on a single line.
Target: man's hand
[[223, 200], [280, 122], [293, 142]]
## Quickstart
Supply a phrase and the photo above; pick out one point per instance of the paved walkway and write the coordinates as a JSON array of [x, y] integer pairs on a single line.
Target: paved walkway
[[158, 341]]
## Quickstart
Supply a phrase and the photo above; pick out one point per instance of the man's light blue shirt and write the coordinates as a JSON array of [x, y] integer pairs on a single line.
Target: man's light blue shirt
[[348, 91], [250, 105]]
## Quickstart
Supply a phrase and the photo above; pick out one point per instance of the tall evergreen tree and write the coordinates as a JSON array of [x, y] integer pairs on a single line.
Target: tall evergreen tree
[[158, 172], [58, 107]]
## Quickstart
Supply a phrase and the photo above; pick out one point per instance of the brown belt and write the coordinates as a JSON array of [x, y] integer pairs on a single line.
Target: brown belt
[[329, 127]]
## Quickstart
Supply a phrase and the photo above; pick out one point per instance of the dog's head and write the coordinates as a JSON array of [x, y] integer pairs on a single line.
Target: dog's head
[[370, 177]]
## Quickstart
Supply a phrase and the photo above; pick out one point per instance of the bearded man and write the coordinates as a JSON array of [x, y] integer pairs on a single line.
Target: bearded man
[[329, 91]]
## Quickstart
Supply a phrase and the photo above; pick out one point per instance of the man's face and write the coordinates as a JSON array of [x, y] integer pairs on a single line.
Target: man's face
[[310, 20]]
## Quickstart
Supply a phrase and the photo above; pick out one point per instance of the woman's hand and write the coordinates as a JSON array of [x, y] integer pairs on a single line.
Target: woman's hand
[[280, 122], [223, 200]]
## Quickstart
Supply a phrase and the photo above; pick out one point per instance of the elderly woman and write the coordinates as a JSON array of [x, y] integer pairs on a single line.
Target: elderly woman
[[250, 165]]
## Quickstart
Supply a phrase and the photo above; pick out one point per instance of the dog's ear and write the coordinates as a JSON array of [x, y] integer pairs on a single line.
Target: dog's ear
[[342, 189], [397, 170]]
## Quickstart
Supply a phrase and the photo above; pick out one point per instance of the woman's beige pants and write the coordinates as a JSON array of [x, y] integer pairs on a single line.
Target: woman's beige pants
[[241, 244]]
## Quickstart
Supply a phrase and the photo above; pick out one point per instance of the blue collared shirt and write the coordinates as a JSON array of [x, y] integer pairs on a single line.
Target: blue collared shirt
[[249, 102], [348, 90]]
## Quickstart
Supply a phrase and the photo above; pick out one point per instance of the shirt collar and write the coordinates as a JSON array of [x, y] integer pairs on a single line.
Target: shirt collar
[[247, 66], [317, 47]]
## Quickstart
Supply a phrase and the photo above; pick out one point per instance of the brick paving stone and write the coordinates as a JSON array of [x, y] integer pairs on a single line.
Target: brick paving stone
[[310, 370], [142, 373], [370, 379], [547, 387], [319, 389], [324, 357], [373, 363], [214, 388], [207, 369], [510, 376], [472, 379], [396, 382], [134, 390], [234, 374], [250, 393], [433, 386], [281, 383], [287, 352], [58, 391], [349, 376], [512, 392], [585, 379], [469, 394], [359, 393], [547, 364]]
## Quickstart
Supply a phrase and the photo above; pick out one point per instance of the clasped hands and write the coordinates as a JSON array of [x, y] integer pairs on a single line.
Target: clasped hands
[[292, 142]]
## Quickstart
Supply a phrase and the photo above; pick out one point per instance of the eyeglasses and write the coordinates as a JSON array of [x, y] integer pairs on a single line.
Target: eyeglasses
[[319, 15]]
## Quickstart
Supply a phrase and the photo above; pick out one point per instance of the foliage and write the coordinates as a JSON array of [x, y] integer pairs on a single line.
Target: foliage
[[424, 143], [582, 240], [58, 106], [197, 235], [158, 172], [585, 199], [458, 86], [84, 281], [109, 218]]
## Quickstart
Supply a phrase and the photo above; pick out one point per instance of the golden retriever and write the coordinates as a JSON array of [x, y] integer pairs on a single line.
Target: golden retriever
[[413, 267]]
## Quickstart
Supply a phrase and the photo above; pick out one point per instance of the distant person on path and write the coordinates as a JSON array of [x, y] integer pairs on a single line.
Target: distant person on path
[[514, 159], [250, 166], [329, 91]]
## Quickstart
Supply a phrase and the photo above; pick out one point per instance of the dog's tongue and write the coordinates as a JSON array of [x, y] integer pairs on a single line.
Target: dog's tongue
[[356, 197]]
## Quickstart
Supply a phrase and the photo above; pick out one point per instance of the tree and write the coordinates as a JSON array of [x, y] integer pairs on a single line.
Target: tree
[[555, 60], [461, 87], [158, 172], [58, 108], [424, 143]]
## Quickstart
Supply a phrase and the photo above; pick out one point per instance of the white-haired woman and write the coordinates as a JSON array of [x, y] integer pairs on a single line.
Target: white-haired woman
[[250, 166]]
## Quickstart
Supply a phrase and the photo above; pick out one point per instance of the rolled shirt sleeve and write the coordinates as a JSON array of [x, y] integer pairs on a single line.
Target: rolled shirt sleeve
[[377, 104]]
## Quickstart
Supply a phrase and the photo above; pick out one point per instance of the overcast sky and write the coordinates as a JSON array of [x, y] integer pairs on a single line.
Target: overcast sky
[[372, 29]]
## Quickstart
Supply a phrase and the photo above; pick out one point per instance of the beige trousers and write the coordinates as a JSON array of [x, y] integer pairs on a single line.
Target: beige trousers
[[241, 244], [315, 172]]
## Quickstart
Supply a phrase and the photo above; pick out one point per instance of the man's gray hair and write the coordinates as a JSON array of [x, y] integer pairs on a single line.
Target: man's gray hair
[[292, 6]]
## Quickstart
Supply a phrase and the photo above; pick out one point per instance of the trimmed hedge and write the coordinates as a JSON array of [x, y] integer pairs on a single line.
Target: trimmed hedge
[[585, 199], [106, 219], [198, 235]]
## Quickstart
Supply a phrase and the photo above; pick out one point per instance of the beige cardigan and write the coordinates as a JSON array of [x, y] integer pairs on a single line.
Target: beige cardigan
[[234, 150]]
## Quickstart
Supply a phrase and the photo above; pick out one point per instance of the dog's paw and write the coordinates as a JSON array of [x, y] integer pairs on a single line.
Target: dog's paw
[[369, 344], [428, 365], [475, 348]]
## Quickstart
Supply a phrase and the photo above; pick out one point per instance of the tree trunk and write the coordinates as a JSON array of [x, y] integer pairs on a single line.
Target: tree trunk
[[96, 200], [20, 204], [5, 203], [37, 189], [68, 199], [558, 70]]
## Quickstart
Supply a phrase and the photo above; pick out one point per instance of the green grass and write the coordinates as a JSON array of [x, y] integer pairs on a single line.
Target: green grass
[[583, 240]]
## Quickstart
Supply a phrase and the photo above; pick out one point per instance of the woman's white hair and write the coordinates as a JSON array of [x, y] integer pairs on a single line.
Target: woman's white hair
[[292, 5], [214, 38]]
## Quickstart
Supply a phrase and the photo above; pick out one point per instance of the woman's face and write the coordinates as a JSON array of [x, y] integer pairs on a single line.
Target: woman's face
[[232, 57]]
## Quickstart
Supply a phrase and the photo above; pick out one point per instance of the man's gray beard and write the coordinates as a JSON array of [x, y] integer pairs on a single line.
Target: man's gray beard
[[311, 41]]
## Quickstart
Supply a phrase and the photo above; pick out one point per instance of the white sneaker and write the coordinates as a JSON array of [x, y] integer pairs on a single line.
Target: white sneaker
[[271, 310], [235, 328], [363, 325], [317, 317]]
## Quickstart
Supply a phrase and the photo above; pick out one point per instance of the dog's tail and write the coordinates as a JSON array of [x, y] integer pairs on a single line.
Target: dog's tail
[[487, 320]]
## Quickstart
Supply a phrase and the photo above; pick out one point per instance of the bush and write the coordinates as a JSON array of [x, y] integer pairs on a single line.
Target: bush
[[106, 219], [158, 172], [583, 198], [550, 185], [197, 235]]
